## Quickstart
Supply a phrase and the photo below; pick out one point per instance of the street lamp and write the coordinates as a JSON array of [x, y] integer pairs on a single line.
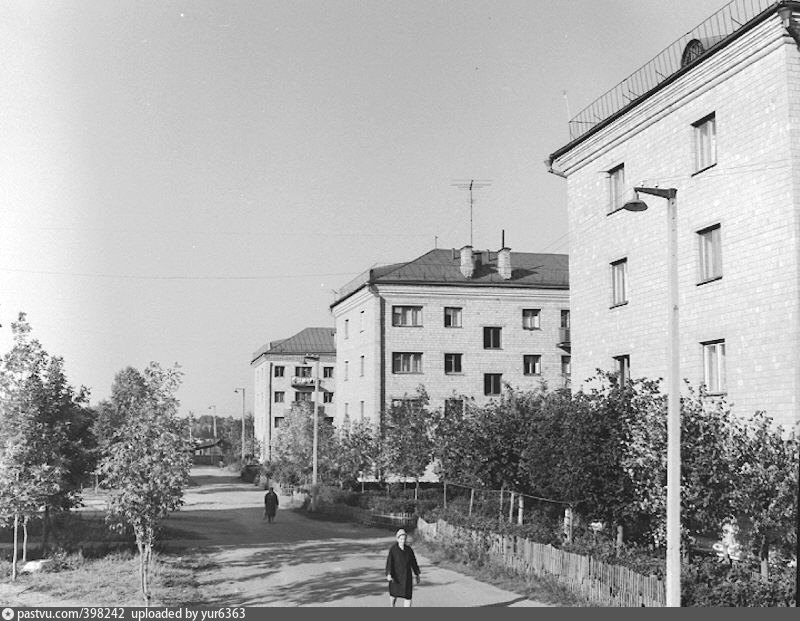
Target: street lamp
[[214, 419], [315, 443], [237, 390], [673, 581]]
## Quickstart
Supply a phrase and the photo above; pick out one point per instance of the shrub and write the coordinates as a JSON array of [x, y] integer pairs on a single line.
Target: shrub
[[715, 583]]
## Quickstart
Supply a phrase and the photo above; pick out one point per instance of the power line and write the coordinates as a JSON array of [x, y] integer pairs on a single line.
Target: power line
[[136, 277]]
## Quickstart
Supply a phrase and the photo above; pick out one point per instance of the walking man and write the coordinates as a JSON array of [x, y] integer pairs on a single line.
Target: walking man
[[270, 504], [400, 563]]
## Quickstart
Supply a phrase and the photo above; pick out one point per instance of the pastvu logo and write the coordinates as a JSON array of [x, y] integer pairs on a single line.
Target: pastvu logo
[[8, 614]]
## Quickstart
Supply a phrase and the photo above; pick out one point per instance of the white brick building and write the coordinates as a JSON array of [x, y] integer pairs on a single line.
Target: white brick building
[[456, 322], [284, 373], [722, 127]]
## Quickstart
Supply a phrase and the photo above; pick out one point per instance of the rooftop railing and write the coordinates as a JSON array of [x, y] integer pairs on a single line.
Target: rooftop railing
[[682, 53]]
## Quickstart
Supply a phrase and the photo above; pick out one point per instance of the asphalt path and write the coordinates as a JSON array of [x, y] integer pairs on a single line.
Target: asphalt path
[[242, 560]]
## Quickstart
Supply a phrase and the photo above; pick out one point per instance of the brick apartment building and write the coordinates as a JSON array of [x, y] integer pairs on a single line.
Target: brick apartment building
[[716, 116], [285, 372], [458, 322]]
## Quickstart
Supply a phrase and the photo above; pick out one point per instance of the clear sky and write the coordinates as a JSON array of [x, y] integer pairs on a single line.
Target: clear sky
[[184, 181]]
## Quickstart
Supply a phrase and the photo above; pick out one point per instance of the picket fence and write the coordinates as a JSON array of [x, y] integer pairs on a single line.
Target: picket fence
[[601, 583]]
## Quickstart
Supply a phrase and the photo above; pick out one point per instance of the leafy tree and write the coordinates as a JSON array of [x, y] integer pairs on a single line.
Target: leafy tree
[[294, 442], [147, 460], [406, 441], [354, 450]]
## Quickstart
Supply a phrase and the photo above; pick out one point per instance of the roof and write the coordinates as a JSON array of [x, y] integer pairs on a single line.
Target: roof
[[307, 341], [443, 267]]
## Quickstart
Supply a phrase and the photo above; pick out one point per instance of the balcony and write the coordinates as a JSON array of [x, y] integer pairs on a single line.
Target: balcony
[[563, 338], [303, 381]]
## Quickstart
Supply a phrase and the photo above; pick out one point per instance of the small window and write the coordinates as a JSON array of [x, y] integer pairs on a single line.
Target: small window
[[327, 397], [532, 364], [361, 366], [619, 282], [347, 328], [302, 371], [714, 366], [705, 143], [564, 318], [303, 396], [278, 421], [278, 371], [361, 410], [452, 317], [407, 316], [362, 321], [452, 363], [710, 253], [622, 366], [327, 371], [616, 188], [346, 409], [346, 369], [531, 318], [406, 362], [453, 407], [279, 396], [491, 337], [566, 365], [492, 383]]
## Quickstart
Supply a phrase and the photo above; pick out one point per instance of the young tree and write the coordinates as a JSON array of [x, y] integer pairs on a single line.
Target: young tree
[[406, 439], [353, 450], [294, 444], [147, 461]]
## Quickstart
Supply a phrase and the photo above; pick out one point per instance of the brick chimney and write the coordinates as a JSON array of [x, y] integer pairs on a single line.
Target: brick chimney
[[504, 263], [467, 262]]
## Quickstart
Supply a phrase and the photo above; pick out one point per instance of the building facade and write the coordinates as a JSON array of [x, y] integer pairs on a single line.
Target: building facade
[[722, 128], [285, 371], [460, 323]]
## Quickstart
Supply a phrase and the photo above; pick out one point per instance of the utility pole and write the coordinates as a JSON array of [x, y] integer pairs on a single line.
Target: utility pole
[[214, 423], [237, 390]]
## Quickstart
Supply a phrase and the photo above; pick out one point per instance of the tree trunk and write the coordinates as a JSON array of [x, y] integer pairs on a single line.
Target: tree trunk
[[764, 556], [620, 539], [45, 529], [14, 557], [416, 490], [25, 539]]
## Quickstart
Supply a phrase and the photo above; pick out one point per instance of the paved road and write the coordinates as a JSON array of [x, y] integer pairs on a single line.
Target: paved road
[[298, 561]]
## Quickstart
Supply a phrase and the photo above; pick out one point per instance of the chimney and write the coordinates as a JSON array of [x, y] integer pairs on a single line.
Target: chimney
[[467, 264], [504, 263]]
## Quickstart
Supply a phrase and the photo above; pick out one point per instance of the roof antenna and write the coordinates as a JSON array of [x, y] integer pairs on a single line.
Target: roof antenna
[[471, 184]]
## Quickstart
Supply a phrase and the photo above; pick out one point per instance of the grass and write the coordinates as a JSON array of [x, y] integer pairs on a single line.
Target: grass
[[541, 589]]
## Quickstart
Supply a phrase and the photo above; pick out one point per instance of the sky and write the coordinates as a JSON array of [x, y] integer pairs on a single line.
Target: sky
[[182, 182]]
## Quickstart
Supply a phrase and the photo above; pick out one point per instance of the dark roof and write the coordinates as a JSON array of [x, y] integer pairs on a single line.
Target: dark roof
[[307, 341], [443, 267]]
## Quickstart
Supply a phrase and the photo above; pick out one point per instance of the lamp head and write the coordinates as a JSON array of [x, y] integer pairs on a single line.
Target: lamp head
[[633, 202]]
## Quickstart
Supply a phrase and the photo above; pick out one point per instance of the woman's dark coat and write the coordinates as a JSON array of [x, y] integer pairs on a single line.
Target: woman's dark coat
[[270, 503], [399, 565]]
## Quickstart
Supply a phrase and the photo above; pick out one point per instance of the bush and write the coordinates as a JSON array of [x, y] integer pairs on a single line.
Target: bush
[[715, 583], [334, 495]]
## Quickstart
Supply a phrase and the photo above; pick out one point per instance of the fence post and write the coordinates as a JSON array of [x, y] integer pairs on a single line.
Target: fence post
[[511, 509], [444, 489], [519, 512], [502, 488], [568, 524], [471, 499]]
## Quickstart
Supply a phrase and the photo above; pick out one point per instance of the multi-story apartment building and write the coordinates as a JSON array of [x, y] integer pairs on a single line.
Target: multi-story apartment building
[[286, 371], [458, 322], [715, 118]]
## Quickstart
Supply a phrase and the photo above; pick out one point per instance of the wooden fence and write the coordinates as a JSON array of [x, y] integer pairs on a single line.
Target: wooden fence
[[607, 585]]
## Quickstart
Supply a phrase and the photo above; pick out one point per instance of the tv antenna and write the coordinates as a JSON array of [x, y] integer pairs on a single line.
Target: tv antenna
[[471, 184]]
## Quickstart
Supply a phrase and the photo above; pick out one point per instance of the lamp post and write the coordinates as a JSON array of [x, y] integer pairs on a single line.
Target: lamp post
[[214, 419], [315, 442], [237, 390], [673, 581]]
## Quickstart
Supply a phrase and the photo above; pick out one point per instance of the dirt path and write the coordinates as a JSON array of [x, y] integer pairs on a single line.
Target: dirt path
[[298, 561]]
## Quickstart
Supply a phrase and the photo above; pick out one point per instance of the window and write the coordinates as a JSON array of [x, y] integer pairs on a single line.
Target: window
[[407, 402], [452, 363], [278, 371], [406, 362], [532, 364], [346, 409], [347, 328], [302, 371], [361, 366], [303, 396], [530, 318], [327, 397], [278, 421], [619, 280], [566, 365], [710, 254], [491, 383], [491, 338], [452, 317], [705, 143], [714, 366], [327, 371], [346, 369], [361, 410], [279, 396], [616, 187], [623, 367], [406, 316], [564, 318], [361, 321], [453, 407]]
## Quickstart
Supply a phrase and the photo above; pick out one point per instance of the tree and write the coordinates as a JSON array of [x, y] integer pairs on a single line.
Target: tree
[[146, 463], [294, 442], [354, 450], [406, 440]]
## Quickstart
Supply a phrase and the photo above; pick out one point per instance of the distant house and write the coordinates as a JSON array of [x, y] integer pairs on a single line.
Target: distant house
[[460, 322], [284, 373]]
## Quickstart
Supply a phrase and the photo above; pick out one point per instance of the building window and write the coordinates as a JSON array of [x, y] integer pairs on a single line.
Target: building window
[[361, 410], [327, 371], [705, 143], [453, 407], [491, 337], [714, 366], [407, 316], [361, 366], [710, 253], [616, 187], [619, 282], [347, 409], [566, 365], [408, 402], [278, 371], [406, 362], [346, 369], [327, 397], [452, 363], [564, 318], [491, 383], [302, 371], [278, 421], [532, 364], [452, 317], [622, 366], [279, 396], [303, 396], [362, 321], [347, 328], [531, 318]]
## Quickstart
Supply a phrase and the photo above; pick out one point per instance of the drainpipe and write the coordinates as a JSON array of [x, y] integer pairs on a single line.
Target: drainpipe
[[268, 431], [549, 165]]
